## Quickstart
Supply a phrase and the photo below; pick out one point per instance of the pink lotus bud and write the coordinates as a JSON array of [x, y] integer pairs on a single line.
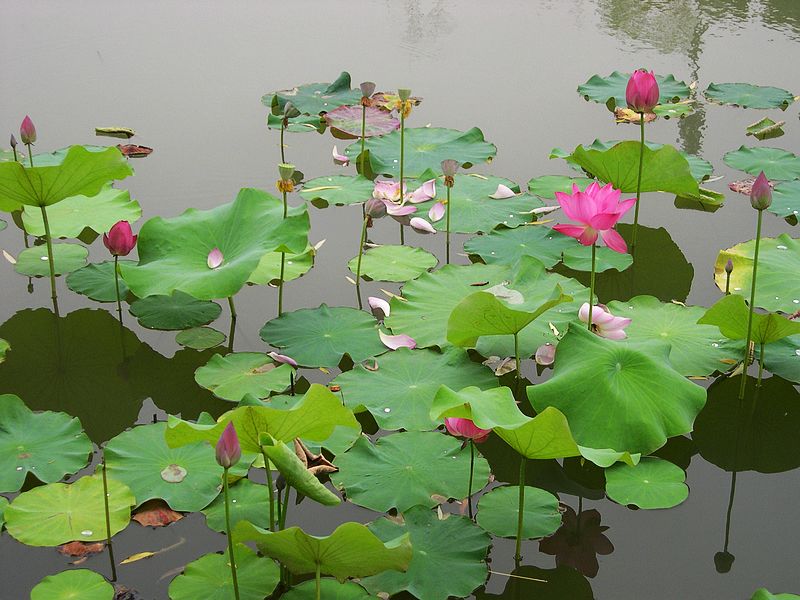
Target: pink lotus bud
[[545, 354], [120, 239], [367, 89], [375, 208], [436, 212], [379, 306], [502, 192], [729, 266], [13, 141], [27, 132], [642, 91], [283, 359], [466, 429], [393, 342], [215, 258], [228, 450], [421, 225], [761, 194], [449, 167], [340, 159]]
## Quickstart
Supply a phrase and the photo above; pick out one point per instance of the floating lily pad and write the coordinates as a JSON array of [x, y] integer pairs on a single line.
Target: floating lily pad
[[594, 374], [294, 266], [778, 286], [47, 445], [546, 186], [610, 90], [58, 513], [248, 502], [33, 261], [579, 258], [708, 201], [320, 337], [394, 263], [425, 148], [677, 110], [498, 511], [175, 312], [786, 200], [400, 391], [783, 358], [140, 456], [545, 436], [453, 545], [653, 483], [209, 577], [775, 163], [200, 338], [766, 129], [505, 246], [300, 124], [76, 583], [330, 590], [96, 281], [748, 95], [233, 376], [345, 122], [315, 98], [405, 469], [339, 190], [731, 315], [173, 253]]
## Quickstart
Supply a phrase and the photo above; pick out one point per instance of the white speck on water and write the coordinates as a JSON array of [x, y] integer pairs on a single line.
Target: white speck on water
[[737, 289], [19, 468], [87, 532], [329, 179], [233, 502], [794, 212], [288, 262], [395, 160], [715, 344], [549, 237], [781, 247], [796, 301], [797, 352], [387, 410], [492, 255], [45, 257], [776, 298]]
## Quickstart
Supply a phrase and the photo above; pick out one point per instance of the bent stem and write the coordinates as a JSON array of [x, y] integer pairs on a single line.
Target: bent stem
[[232, 331], [49, 240], [638, 181], [447, 239], [108, 519], [520, 510], [271, 492], [360, 254], [116, 284], [591, 285], [471, 473], [228, 531], [751, 307]]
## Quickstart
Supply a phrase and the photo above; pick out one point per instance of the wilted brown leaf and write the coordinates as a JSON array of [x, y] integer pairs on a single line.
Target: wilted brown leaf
[[81, 549], [156, 513]]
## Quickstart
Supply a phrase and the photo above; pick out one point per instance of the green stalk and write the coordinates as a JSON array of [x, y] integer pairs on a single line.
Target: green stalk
[[283, 259], [727, 284], [358, 265], [471, 473], [591, 285], [402, 156], [270, 491], [760, 365], [30, 154], [283, 128], [752, 306], [49, 240], [447, 239], [228, 531], [285, 508], [232, 331], [319, 582], [116, 283], [520, 510], [638, 182], [517, 361], [108, 520]]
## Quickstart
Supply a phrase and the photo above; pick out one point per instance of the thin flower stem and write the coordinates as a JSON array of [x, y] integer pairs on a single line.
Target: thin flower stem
[[228, 531], [116, 283], [271, 492], [447, 239], [283, 128], [30, 154], [358, 264], [520, 510], [517, 362], [760, 365], [280, 507], [727, 284], [285, 508], [752, 307], [363, 131], [232, 331], [283, 261], [318, 579], [402, 157], [591, 285], [16, 158], [638, 181], [49, 240], [471, 473], [108, 519]]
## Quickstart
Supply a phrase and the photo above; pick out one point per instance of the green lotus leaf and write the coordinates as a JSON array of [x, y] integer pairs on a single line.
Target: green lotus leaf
[[330, 590], [200, 338], [764, 594], [295, 266], [187, 478], [783, 358], [676, 110], [345, 122], [295, 472], [3, 506], [653, 483], [778, 286], [233, 376], [696, 349], [339, 190], [173, 253], [400, 391], [786, 199], [546, 186], [314, 98], [393, 263], [174, 312], [351, 550], [76, 583], [605, 457], [610, 90], [209, 577], [498, 511], [543, 584], [76, 213], [248, 502], [58, 513], [300, 124], [547, 435], [48, 445], [4, 347], [708, 201], [66, 258], [505, 246], [486, 408], [96, 281], [78, 171], [579, 258], [425, 148], [448, 558], [731, 315], [775, 163], [748, 95], [405, 469], [594, 374], [320, 337], [766, 129]]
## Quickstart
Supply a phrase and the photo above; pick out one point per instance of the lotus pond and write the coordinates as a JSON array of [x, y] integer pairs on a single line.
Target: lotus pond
[[469, 338]]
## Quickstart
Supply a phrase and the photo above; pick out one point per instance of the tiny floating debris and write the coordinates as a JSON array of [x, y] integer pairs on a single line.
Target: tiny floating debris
[[117, 132], [134, 151]]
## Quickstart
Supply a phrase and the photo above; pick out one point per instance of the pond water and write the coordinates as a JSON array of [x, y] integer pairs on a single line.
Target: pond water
[[188, 77]]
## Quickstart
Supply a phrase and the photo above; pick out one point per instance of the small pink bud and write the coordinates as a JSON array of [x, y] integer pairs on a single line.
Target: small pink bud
[[642, 91], [120, 239], [228, 450], [215, 258], [421, 225], [13, 141], [467, 429], [375, 208], [729, 266], [27, 132], [761, 194]]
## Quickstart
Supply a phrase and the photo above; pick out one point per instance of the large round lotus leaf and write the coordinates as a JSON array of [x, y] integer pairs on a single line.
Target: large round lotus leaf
[[543, 584], [405, 469], [351, 550], [696, 350], [505, 246], [76, 584], [294, 266], [175, 312], [58, 513], [498, 512], [48, 445], [345, 122], [764, 594], [758, 434], [731, 315], [748, 95], [320, 337], [546, 186], [187, 478], [653, 483], [233, 376], [200, 338], [74, 171], [778, 286], [209, 577], [330, 590], [783, 358], [248, 502], [594, 376], [74, 214], [96, 281], [786, 199], [393, 263], [339, 190], [448, 557], [610, 90], [314, 98], [299, 124], [173, 253], [775, 163], [399, 393], [33, 261], [425, 148], [579, 258]]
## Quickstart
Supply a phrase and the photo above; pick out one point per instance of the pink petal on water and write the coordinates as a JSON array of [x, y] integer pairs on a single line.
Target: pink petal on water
[[502, 192], [283, 359], [393, 342], [421, 225], [436, 212], [340, 159], [380, 307]]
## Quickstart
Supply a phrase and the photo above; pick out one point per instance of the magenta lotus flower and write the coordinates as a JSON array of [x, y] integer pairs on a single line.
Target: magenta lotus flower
[[546, 353], [228, 450], [502, 192], [393, 342], [379, 307], [27, 131], [466, 429], [642, 91], [340, 159], [282, 359], [215, 258], [597, 210], [761, 193], [421, 225], [436, 212], [399, 203], [120, 239], [604, 323]]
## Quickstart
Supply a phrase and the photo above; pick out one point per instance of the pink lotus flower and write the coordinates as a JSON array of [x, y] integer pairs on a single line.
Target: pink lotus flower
[[466, 429], [282, 359], [340, 159], [393, 342], [120, 239], [398, 204], [761, 194], [604, 323], [642, 91], [436, 213], [502, 192], [421, 225], [598, 210], [379, 306], [215, 258], [228, 450], [27, 132]]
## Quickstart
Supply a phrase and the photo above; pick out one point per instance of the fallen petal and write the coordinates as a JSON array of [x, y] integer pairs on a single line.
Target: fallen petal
[[380, 307], [393, 342], [215, 258], [502, 193], [340, 159], [545, 355], [421, 225], [436, 212], [283, 359]]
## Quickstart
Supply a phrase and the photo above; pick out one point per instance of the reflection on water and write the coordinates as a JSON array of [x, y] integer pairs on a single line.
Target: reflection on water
[[578, 541]]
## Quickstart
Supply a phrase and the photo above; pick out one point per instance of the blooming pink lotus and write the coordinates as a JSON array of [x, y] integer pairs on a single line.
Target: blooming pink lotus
[[467, 429], [642, 92], [228, 450], [120, 239], [604, 323], [399, 204], [598, 210]]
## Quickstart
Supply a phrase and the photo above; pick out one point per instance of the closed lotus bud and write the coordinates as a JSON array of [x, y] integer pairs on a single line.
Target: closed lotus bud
[[642, 92], [761, 194], [13, 141], [286, 171], [120, 239], [367, 89], [289, 111], [375, 208], [449, 167], [228, 450], [27, 132], [404, 94], [729, 266]]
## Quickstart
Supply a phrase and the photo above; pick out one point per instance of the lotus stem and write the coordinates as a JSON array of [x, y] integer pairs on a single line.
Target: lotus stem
[[520, 510], [752, 307], [402, 158], [228, 531], [49, 240], [319, 582], [30, 154], [108, 518], [727, 284], [363, 131], [283, 129], [116, 284], [285, 508], [447, 238], [360, 254], [232, 331], [270, 491], [638, 181], [730, 511], [471, 473], [517, 361], [16, 158], [283, 254], [760, 365], [591, 285]]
